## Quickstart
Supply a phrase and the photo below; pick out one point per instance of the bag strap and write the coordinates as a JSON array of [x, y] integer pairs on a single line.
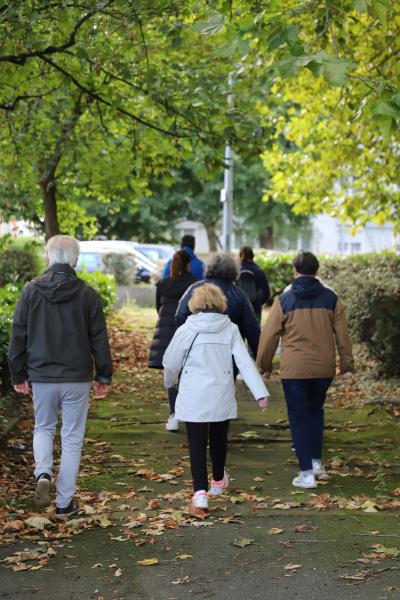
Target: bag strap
[[186, 357]]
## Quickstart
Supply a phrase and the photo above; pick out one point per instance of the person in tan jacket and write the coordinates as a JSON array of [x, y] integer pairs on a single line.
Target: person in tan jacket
[[310, 319]]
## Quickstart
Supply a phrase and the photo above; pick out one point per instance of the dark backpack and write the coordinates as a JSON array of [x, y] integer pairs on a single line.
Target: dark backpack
[[247, 283]]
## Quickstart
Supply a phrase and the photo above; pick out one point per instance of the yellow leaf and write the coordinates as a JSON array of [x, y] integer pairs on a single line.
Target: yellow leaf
[[274, 531], [118, 573], [148, 561], [184, 556], [291, 567]]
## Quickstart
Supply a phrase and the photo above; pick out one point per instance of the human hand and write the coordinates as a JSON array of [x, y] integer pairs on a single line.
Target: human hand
[[263, 402], [348, 376], [100, 389], [267, 374], [22, 388]]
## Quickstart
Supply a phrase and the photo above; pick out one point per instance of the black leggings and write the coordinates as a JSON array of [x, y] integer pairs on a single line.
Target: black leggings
[[198, 435]]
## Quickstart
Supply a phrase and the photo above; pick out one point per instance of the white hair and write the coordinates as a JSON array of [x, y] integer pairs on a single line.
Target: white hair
[[63, 250]]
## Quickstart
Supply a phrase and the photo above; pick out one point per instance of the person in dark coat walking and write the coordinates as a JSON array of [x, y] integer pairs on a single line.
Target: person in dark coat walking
[[222, 271], [59, 344], [168, 293], [248, 266]]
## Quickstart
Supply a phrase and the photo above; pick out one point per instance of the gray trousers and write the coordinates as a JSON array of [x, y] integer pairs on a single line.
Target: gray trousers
[[71, 399]]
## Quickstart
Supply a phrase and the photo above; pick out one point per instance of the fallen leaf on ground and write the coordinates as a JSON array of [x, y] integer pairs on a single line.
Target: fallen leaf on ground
[[242, 542], [148, 561], [291, 567], [274, 531]]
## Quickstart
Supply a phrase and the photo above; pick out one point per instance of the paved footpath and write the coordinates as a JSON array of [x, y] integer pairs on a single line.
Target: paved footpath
[[264, 539]]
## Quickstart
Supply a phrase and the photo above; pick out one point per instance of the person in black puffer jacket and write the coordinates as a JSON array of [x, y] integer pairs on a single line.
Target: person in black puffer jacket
[[222, 271], [168, 293]]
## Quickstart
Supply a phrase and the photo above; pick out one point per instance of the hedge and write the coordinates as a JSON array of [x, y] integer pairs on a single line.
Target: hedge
[[105, 285], [369, 285]]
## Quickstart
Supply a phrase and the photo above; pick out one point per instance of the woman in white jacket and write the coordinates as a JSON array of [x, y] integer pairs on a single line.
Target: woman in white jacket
[[199, 360]]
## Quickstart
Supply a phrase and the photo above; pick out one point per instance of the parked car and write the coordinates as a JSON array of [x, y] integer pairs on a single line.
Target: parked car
[[158, 253], [126, 265]]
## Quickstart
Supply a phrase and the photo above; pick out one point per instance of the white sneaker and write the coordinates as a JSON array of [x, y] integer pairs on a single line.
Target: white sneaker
[[319, 470], [305, 480], [200, 499], [172, 424], [218, 487]]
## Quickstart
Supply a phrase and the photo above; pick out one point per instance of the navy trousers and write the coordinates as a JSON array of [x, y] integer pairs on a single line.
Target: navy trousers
[[305, 400]]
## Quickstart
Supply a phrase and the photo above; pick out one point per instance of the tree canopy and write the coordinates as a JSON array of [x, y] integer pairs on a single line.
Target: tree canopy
[[102, 99]]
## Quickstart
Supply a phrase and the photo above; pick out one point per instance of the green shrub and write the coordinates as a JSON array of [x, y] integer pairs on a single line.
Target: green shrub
[[21, 259], [278, 269], [6, 316], [369, 285], [105, 285]]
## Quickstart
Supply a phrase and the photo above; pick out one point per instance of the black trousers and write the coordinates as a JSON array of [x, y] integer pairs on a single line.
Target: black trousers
[[198, 436]]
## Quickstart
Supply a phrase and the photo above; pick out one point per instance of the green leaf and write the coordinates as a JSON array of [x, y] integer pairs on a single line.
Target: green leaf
[[385, 125], [214, 25], [381, 108], [277, 38], [380, 10], [396, 99], [360, 6]]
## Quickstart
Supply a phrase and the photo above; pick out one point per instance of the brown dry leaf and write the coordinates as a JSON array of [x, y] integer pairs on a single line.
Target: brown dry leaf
[[153, 504], [304, 528], [242, 542], [181, 580], [291, 567], [274, 531], [15, 525], [184, 556], [148, 562], [258, 479], [38, 522], [118, 572]]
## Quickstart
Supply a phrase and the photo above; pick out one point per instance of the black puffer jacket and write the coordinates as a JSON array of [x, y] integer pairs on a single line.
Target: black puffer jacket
[[240, 310], [169, 292], [59, 331]]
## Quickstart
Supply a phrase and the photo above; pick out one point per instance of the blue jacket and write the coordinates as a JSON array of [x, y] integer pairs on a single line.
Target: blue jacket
[[196, 265], [240, 310]]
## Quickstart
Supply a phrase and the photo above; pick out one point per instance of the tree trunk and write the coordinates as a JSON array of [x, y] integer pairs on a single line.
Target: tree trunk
[[51, 226], [267, 238], [212, 236]]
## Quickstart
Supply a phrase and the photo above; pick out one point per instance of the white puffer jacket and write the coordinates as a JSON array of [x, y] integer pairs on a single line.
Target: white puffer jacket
[[207, 388]]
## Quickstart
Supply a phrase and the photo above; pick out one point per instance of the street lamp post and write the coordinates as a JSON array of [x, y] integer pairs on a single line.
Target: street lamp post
[[227, 192]]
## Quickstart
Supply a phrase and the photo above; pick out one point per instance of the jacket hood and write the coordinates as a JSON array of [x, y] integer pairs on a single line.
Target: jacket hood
[[307, 286], [208, 322], [189, 251], [58, 284]]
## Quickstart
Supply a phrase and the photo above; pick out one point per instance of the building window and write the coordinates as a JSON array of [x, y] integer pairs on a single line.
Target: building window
[[355, 247]]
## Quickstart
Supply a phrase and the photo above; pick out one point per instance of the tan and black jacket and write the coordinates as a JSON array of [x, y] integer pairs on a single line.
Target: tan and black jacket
[[310, 319]]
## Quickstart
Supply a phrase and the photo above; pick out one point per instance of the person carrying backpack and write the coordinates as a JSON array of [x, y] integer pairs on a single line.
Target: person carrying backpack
[[252, 280]]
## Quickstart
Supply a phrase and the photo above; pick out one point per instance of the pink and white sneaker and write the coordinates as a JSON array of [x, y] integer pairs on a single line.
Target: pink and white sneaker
[[198, 505], [218, 487]]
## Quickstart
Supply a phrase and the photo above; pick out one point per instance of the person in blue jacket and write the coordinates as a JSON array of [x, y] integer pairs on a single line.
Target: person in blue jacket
[[196, 265], [262, 291], [223, 272]]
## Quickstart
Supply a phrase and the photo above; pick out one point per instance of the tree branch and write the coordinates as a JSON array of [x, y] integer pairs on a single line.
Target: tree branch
[[95, 96], [20, 59]]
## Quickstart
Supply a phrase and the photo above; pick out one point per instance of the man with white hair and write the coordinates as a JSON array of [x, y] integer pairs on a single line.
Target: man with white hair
[[58, 339]]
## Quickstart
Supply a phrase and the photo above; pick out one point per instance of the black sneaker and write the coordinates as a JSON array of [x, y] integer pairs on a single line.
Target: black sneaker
[[43, 490], [68, 511]]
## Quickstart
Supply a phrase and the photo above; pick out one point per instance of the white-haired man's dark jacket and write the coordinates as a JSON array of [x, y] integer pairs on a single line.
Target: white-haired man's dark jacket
[[59, 332]]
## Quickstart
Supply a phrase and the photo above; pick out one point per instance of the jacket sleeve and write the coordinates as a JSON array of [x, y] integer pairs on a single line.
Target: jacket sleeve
[[250, 325], [343, 341], [158, 299], [265, 292], [182, 312], [99, 340], [17, 357], [173, 359], [247, 367], [269, 338]]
